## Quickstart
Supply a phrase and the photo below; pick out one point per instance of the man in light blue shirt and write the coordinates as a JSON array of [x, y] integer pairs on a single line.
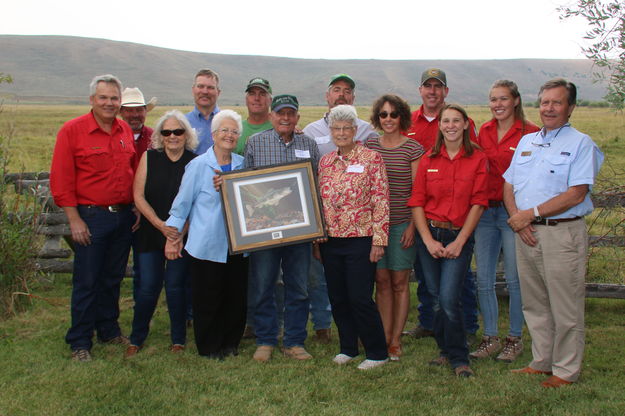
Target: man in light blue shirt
[[205, 91], [547, 194]]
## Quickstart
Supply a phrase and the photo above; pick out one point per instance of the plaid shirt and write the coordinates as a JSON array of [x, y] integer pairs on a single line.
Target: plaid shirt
[[268, 148]]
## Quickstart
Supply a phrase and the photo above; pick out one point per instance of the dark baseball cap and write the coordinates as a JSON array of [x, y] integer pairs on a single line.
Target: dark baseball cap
[[435, 73], [342, 77], [261, 83], [284, 100]]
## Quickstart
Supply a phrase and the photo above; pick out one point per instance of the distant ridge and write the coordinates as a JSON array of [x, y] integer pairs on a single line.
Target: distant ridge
[[59, 68]]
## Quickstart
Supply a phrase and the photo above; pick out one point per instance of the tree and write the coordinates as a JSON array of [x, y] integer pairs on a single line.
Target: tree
[[606, 19]]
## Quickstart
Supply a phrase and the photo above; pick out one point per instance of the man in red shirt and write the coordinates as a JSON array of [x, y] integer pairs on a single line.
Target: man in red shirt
[[424, 129], [91, 180]]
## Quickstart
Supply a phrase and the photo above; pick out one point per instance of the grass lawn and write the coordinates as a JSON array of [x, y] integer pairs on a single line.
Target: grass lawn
[[38, 378]]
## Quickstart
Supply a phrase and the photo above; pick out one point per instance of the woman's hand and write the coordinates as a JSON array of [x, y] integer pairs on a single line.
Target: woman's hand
[[173, 250], [453, 250], [170, 233], [316, 252], [217, 180], [377, 252], [435, 248], [407, 237]]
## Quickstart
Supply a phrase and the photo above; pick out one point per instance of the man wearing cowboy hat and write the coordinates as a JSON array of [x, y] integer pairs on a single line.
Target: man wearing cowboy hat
[[133, 111]]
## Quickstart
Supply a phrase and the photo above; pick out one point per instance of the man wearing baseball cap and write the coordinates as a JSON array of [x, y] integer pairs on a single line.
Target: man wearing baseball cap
[[281, 144], [258, 101], [424, 129]]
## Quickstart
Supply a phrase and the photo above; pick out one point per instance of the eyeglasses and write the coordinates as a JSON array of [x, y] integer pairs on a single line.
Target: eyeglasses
[[176, 132], [384, 114], [541, 144], [345, 129], [226, 131]]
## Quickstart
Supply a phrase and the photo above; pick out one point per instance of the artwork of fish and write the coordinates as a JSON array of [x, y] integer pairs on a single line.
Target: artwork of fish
[[271, 198]]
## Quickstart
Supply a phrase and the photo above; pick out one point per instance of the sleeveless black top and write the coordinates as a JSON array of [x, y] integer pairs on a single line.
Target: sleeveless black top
[[161, 187]]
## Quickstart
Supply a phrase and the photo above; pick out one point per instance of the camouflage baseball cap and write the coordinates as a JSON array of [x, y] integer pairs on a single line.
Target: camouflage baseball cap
[[435, 73]]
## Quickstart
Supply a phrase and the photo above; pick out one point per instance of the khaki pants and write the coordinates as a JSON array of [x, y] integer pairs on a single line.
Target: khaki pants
[[552, 276]]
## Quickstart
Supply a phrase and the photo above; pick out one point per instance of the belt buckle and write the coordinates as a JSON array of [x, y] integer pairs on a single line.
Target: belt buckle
[[112, 208]]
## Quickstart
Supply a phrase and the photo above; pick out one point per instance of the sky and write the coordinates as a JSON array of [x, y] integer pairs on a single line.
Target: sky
[[326, 29]]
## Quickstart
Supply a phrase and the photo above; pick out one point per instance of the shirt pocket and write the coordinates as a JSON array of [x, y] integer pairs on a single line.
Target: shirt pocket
[[98, 159], [557, 173], [523, 167]]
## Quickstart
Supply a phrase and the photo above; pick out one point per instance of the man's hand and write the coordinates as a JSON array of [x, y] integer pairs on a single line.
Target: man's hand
[[376, 253], [527, 236], [80, 231], [521, 219], [173, 250]]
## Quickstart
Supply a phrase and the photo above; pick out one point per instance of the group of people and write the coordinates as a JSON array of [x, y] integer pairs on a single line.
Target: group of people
[[424, 194]]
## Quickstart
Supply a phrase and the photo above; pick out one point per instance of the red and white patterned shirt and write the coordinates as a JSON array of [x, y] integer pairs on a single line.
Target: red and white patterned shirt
[[355, 195]]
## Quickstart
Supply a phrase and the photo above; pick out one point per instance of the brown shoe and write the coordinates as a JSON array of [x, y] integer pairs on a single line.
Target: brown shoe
[[530, 370], [439, 361], [131, 351], [511, 349], [323, 336], [118, 340], [81, 355], [263, 353], [464, 371], [297, 353], [419, 332], [489, 346], [555, 382], [176, 348]]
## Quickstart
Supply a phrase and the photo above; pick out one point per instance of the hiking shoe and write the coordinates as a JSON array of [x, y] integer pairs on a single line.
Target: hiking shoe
[[263, 353], [81, 355], [464, 371], [131, 351], [488, 347], [439, 361], [297, 353], [342, 359], [369, 364], [419, 332], [118, 340], [322, 336], [512, 348]]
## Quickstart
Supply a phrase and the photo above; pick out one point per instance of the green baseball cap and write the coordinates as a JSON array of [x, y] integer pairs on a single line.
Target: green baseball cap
[[284, 100], [261, 83], [435, 73], [342, 77]]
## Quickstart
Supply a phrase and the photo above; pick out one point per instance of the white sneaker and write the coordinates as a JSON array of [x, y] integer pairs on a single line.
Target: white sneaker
[[341, 359], [369, 364]]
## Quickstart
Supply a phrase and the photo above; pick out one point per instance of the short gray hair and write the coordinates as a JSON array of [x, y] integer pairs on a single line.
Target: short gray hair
[[560, 82], [191, 141], [343, 112], [224, 114], [107, 78]]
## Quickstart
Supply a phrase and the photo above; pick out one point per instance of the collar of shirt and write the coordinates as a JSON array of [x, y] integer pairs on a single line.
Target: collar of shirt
[[444, 153], [420, 114], [236, 161], [92, 125], [352, 155], [198, 114], [549, 136]]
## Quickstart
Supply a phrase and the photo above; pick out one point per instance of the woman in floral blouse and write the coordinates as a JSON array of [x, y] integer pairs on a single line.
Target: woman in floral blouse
[[354, 191]]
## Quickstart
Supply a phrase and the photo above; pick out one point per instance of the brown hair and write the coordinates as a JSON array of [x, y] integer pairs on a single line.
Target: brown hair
[[468, 145], [560, 82], [400, 105], [207, 73]]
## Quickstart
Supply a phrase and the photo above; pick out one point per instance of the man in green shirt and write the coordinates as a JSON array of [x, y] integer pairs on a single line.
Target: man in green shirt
[[258, 101]]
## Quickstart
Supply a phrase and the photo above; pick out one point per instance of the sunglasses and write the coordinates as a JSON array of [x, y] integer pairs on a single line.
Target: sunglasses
[[384, 114], [176, 132]]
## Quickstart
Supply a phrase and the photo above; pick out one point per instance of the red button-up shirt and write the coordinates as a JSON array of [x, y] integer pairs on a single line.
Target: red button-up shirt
[[91, 166], [143, 142], [500, 153], [355, 195], [447, 188], [425, 131]]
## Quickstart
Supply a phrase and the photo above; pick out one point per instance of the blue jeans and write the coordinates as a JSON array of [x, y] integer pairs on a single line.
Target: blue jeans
[[320, 310], [98, 271], [444, 279], [491, 234], [426, 303], [156, 269], [136, 272], [265, 264]]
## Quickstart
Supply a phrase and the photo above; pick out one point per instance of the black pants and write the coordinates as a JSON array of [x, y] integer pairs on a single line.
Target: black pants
[[219, 303], [351, 276]]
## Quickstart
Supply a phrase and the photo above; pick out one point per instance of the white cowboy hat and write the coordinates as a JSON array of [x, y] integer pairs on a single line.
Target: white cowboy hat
[[133, 97]]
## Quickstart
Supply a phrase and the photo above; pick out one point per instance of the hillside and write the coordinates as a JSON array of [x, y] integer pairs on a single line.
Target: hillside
[[59, 68]]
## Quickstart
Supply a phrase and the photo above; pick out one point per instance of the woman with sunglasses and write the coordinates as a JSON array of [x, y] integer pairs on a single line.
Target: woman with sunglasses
[[499, 138], [391, 114], [156, 184], [218, 279], [448, 198]]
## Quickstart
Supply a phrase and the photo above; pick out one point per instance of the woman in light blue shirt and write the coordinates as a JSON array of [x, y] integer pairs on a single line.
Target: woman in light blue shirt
[[218, 280]]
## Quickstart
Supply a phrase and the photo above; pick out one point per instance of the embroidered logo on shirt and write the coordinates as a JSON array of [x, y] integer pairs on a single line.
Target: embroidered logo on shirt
[[526, 153], [565, 154]]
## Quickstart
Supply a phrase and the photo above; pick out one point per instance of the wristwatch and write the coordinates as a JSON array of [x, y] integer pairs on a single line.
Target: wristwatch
[[537, 216]]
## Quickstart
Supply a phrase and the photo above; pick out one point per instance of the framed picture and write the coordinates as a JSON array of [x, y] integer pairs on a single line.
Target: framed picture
[[271, 206]]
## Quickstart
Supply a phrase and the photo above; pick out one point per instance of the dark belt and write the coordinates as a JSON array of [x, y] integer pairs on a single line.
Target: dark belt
[[495, 204], [549, 222], [443, 224], [110, 208]]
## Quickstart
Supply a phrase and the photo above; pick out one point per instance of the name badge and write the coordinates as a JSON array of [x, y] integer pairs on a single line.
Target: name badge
[[432, 170], [526, 153], [355, 169], [302, 153], [322, 139], [513, 148]]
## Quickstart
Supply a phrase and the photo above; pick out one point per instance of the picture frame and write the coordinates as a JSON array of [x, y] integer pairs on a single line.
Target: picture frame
[[271, 206]]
